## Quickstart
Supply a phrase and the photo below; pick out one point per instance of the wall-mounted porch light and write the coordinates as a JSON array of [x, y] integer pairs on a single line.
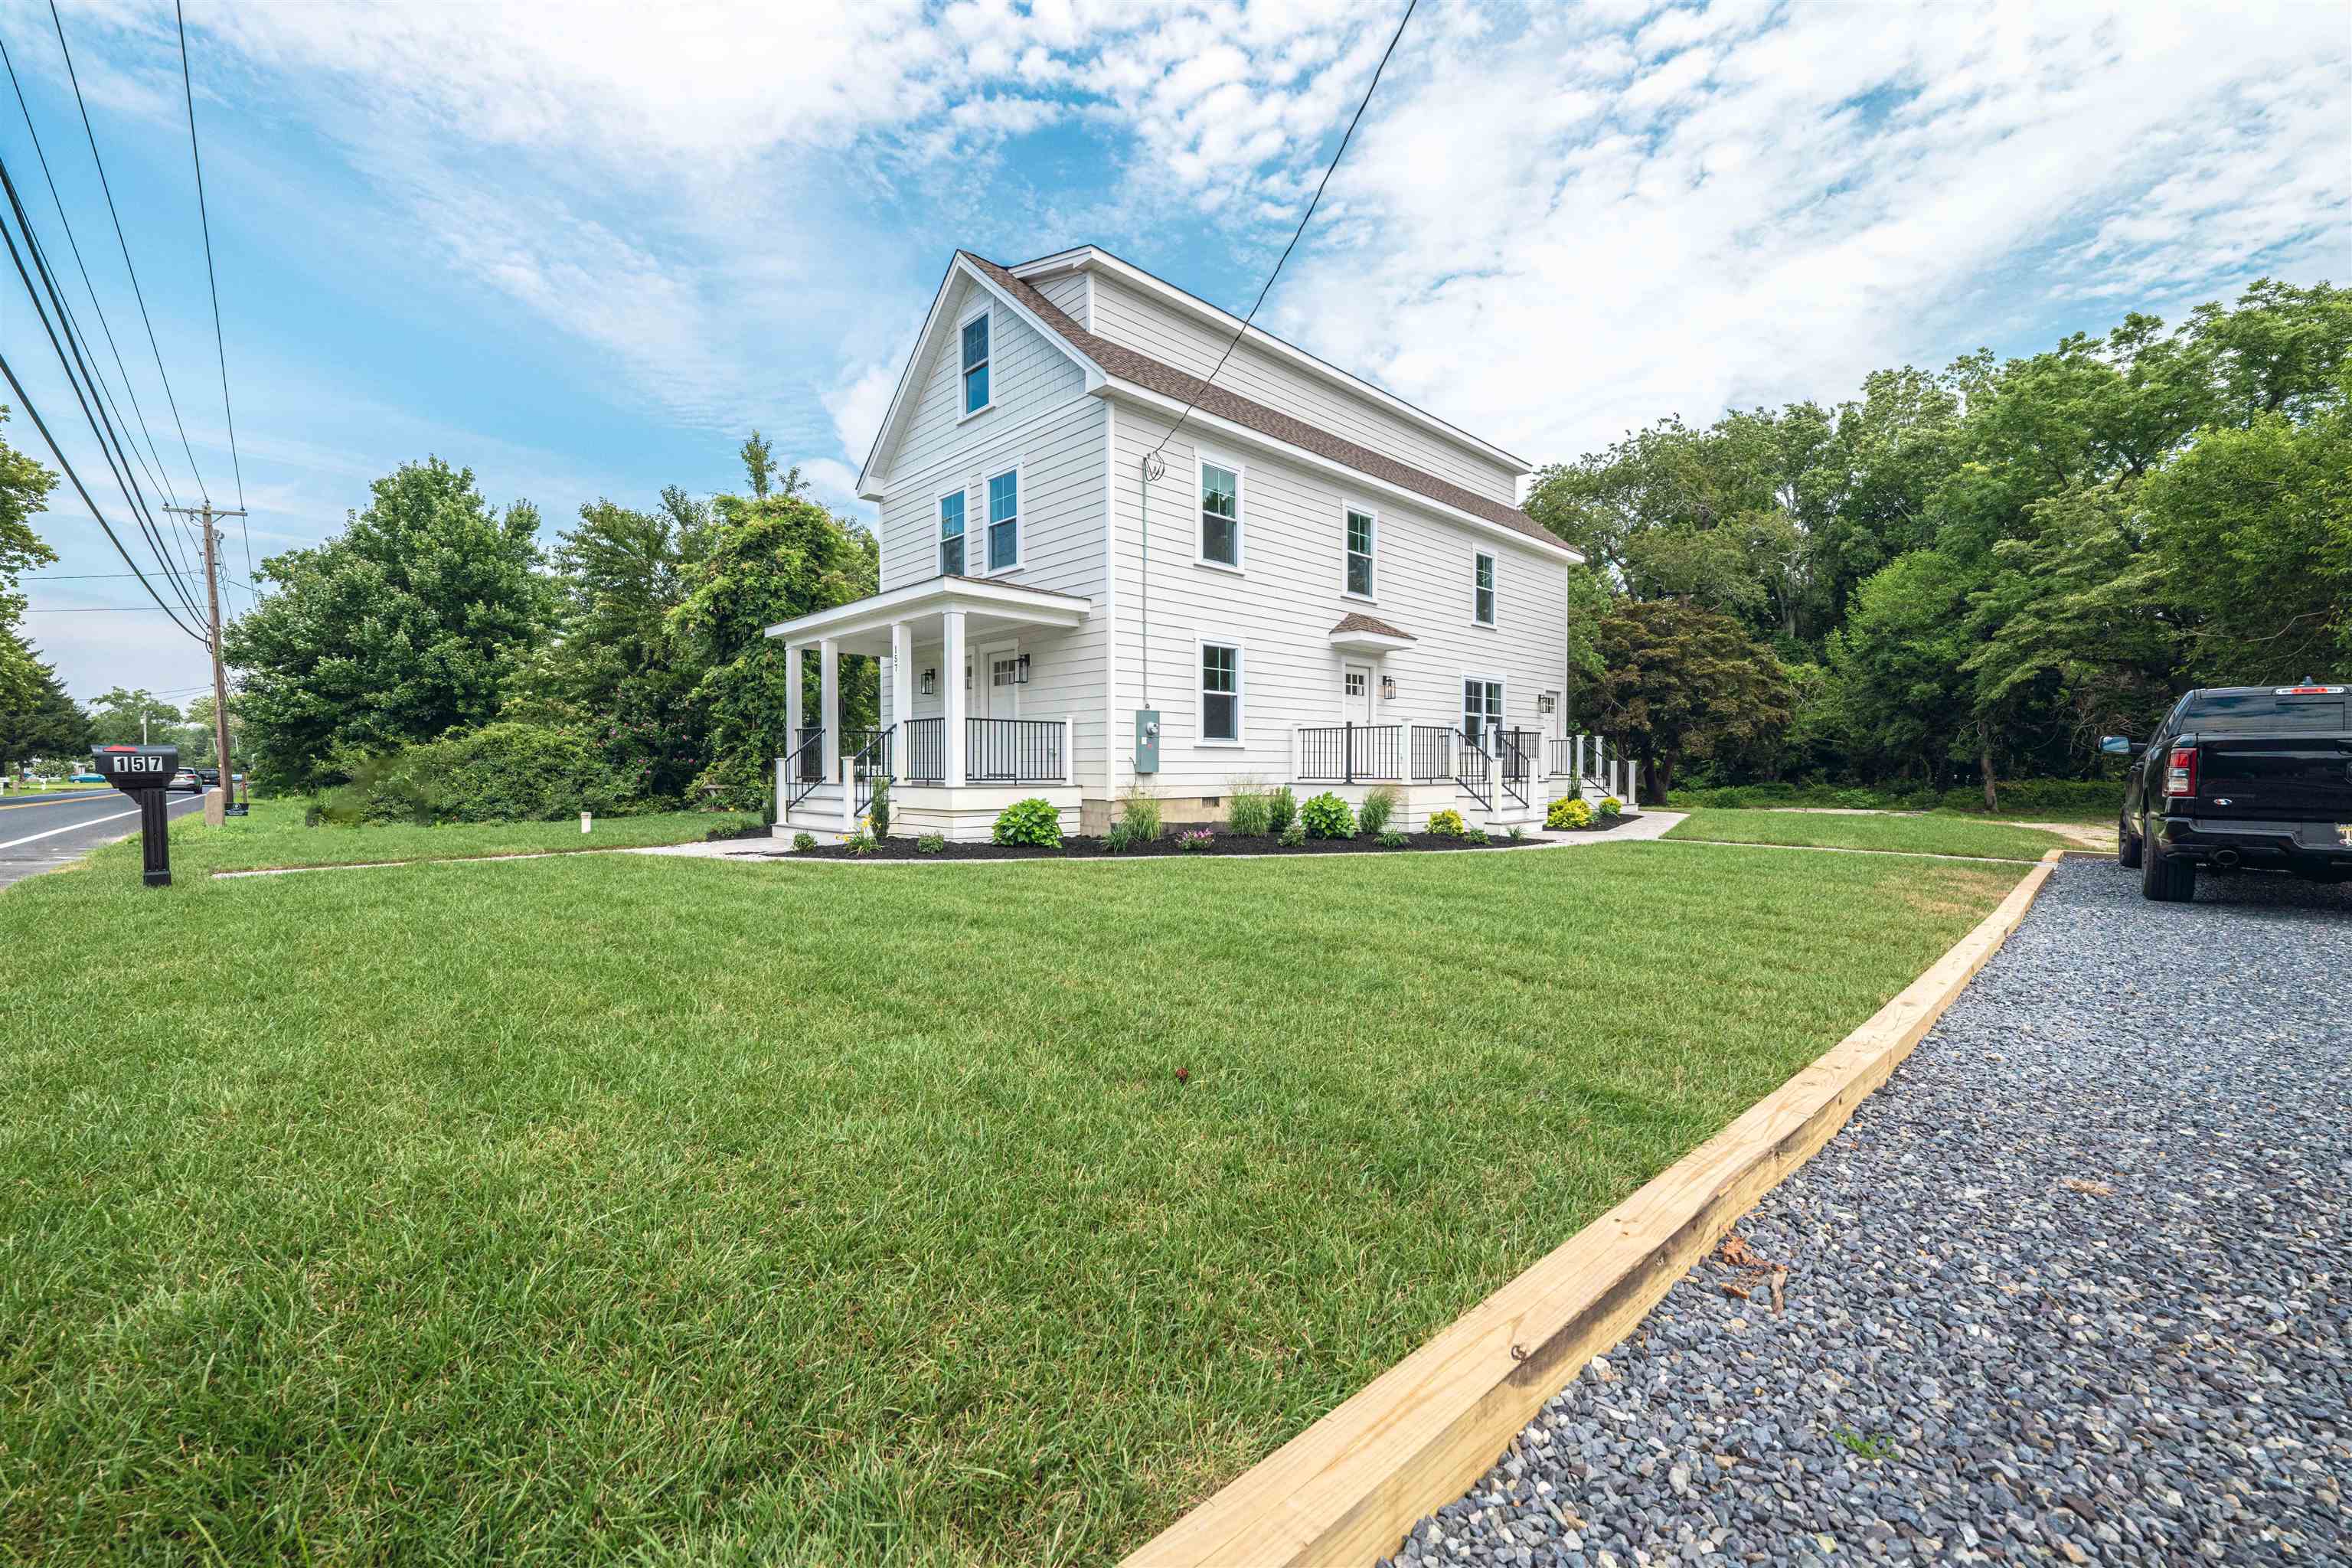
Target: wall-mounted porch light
[[1021, 671], [1545, 703], [930, 681], [1388, 688]]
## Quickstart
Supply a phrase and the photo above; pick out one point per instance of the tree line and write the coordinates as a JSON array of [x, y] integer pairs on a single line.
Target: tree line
[[1974, 573]]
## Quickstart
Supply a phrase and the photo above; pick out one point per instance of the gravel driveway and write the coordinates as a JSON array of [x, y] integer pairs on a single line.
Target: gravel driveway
[[2075, 1286]]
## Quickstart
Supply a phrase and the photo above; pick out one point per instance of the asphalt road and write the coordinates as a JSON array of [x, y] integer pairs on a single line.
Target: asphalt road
[[42, 832]]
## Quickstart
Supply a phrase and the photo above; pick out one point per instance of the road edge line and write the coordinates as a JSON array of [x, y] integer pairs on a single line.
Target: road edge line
[[1345, 1491]]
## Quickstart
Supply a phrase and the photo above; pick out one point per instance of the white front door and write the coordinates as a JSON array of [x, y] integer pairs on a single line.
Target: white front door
[[1000, 666], [1356, 693]]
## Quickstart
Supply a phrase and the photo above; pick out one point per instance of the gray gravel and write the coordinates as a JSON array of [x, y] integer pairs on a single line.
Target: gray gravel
[[2075, 1286]]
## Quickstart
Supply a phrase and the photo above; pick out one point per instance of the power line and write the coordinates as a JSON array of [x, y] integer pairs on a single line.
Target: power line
[[187, 87], [41, 424], [136, 292], [100, 427], [158, 474], [1296, 234]]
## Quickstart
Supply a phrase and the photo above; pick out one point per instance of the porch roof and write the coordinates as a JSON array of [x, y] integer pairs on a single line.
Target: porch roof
[[862, 626]]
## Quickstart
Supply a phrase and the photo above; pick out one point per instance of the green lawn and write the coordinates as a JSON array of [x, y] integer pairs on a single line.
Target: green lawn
[[273, 836], [1930, 834], [613, 1208]]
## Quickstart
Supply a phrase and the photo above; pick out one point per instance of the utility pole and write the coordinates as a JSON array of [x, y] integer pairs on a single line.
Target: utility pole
[[220, 679]]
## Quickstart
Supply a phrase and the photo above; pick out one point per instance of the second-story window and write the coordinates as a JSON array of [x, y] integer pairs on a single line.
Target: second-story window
[[1359, 552], [1482, 595], [1221, 514], [1004, 520], [952, 535], [975, 363]]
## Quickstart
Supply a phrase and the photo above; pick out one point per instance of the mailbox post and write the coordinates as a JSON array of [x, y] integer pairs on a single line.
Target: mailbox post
[[140, 773]]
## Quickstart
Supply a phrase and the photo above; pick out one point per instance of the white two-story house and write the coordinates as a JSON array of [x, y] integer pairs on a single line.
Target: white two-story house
[[1088, 590]]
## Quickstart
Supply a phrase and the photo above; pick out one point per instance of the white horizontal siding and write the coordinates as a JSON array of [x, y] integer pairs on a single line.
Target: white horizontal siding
[[1056, 442], [1127, 316], [1281, 607], [1069, 292]]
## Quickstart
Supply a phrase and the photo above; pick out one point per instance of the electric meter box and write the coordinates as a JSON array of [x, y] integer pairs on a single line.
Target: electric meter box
[[1147, 739]]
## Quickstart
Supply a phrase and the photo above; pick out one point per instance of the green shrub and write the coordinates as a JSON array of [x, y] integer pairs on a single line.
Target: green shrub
[[506, 772], [1033, 822], [1292, 836], [1611, 808], [1518, 834], [1139, 813], [930, 844], [1327, 816], [1567, 814], [1379, 806], [803, 840], [1392, 840], [1196, 841], [1246, 812], [1119, 840], [1281, 810], [859, 843], [877, 815], [1475, 836], [1446, 824]]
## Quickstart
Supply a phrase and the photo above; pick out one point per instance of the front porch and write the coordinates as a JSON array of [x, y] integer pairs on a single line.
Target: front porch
[[1496, 777], [950, 770]]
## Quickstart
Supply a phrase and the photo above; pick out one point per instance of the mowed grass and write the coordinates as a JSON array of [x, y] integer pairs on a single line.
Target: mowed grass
[[1928, 835], [611, 1208], [273, 836]]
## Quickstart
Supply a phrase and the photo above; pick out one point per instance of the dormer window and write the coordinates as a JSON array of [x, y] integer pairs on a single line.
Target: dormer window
[[975, 363]]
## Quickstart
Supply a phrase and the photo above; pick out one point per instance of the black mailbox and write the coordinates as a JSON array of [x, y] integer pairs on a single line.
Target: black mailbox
[[135, 768], [142, 771]]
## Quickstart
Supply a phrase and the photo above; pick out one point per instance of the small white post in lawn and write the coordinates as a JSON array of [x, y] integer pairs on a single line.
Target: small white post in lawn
[[583, 822]]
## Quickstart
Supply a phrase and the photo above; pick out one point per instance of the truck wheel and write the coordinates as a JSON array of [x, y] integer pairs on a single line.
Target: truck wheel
[[2165, 880], [2128, 849]]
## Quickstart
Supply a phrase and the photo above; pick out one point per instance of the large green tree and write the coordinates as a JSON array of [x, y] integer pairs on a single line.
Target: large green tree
[[770, 558], [403, 626], [25, 486], [48, 723], [1684, 682], [126, 718]]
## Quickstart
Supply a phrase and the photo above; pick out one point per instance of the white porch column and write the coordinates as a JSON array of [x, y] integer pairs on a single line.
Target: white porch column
[[829, 707], [952, 681], [1067, 764], [795, 708], [902, 695]]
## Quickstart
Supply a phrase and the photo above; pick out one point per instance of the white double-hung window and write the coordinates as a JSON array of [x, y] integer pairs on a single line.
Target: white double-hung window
[[1221, 692], [1221, 513], [1004, 520], [975, 363], [1359, 552], [1481, 589], [952, 535]]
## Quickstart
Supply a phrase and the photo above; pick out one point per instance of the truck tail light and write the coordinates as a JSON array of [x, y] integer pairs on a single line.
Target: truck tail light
[[2181, 777]]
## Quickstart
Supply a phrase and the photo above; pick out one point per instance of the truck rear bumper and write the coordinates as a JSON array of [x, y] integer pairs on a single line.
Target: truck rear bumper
[[2314, 849]]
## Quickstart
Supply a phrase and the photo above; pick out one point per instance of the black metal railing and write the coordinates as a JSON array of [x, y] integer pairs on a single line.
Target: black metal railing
[[1433, 753], [1350, 752], [1012, 751], [869, 765], [1514, 761], [804, 769], [1473, 771], [927, 750]]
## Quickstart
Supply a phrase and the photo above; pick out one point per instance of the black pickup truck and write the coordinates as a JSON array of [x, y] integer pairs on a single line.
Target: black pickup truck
[[2241, 775]]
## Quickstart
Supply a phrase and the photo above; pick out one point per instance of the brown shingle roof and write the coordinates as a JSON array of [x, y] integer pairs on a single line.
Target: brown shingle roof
[[1352, 622], [1165, 379]]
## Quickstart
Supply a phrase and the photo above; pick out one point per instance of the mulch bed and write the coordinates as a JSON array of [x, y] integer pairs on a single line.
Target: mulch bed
[[1089, 848]]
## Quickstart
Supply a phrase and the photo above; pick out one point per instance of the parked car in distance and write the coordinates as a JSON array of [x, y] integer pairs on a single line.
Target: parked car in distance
[[2235, 776], [210, 776], [186, 779], [88, 778]]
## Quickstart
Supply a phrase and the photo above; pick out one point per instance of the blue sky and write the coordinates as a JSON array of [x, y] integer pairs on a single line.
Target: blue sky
[[584, 249]]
